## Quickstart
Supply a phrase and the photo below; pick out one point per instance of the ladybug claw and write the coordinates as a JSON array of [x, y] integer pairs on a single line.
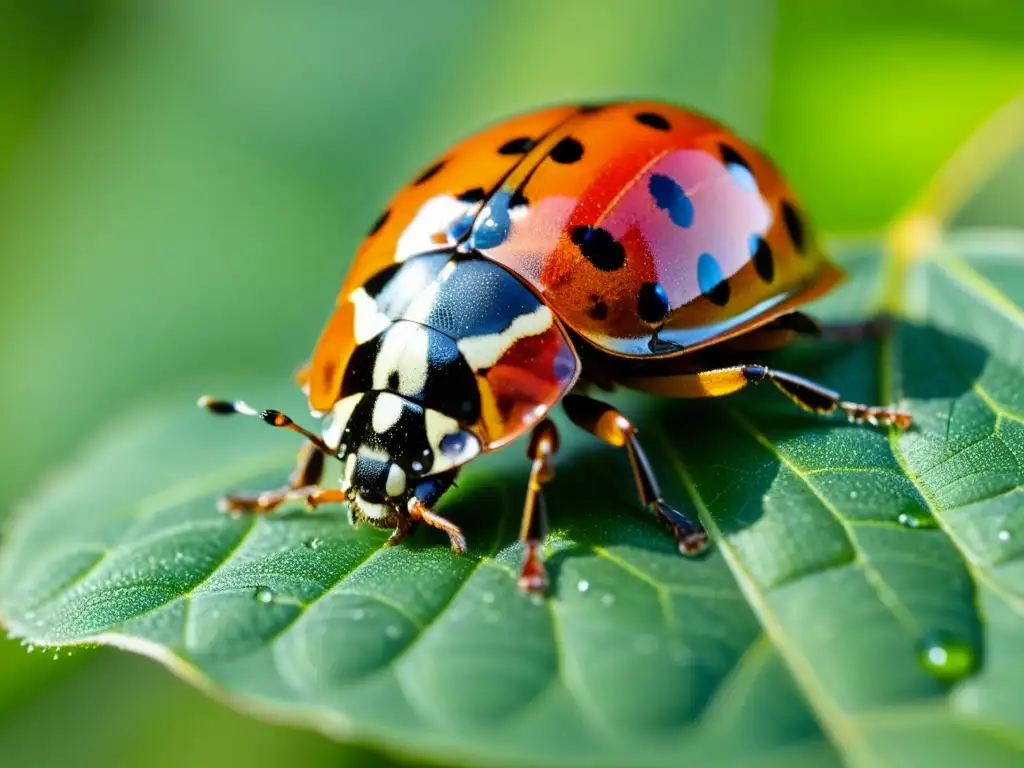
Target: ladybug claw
[[691, 537]]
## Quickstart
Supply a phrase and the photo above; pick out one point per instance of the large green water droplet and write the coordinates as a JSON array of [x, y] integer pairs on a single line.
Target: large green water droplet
[[946, 656]]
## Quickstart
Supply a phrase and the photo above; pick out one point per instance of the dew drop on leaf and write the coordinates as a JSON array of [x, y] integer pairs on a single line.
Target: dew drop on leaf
[[393, 631], [583, 585], [916, 517], [853, 494], [488, 597], [264, 595], [946, 656], [607, 599], [1005, 535], [314, 543]]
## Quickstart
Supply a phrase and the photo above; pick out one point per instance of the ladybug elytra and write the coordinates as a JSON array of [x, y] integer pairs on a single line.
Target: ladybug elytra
[[635, 244]]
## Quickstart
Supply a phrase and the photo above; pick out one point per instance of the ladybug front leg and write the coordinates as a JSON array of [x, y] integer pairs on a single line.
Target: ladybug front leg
[[608, 424], [303, 482], [533, 576]]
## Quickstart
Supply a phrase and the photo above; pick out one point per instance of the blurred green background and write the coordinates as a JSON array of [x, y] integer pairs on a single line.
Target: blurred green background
[[182, 184]]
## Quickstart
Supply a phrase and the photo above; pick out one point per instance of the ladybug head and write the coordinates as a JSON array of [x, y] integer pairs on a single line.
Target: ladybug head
[[395, 450]]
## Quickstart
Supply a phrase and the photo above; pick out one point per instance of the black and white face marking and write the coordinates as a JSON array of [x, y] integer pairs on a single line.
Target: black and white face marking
[[428, 331], [389, 445]]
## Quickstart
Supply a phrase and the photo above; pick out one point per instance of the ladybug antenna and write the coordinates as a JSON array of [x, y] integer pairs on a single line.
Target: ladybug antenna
[[273, 418]]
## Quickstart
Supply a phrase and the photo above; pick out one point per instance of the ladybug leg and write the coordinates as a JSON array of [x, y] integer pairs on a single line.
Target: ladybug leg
[[818, 399], [873, 328], [302, 484], [533, 576], [808, 395], [608, 424], [420, 511]]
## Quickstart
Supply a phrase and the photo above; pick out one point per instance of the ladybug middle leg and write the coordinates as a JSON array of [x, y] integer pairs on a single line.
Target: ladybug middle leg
[[608, 424], [534, 529]]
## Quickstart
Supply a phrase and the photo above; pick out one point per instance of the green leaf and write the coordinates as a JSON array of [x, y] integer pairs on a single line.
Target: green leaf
[[796, 641]]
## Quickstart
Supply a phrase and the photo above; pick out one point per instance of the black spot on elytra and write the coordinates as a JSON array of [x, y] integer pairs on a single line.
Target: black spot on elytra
[[731, 157], [519, 146], [652, 303], [429, 173], [597, 310], [517, 200], [599, 247], [653, 120], [474, 195], [794, 225], [671, 197], [566, 151], [764, 262], [379, 223], [719, 295]]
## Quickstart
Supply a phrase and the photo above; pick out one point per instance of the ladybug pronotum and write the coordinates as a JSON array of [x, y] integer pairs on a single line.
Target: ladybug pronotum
[[635, 244]]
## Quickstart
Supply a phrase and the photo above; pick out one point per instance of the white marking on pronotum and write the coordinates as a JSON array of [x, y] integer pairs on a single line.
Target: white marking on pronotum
[[431, 220], [421, 307], [387, 410], [395, 485], [404, 351], [337, 420], [484, 351], [369, 320], [447, 271]]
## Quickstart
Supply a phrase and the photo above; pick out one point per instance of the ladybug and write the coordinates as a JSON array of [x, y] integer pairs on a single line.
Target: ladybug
[[575, 248]]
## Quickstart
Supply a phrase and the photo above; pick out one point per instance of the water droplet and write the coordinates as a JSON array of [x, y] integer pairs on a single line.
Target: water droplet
[[607, 599], [916, 517], [488, 597], [393, 631], [583, 585], [853, 494], [264, 595], [945, 655], [30, 648], [314, 543], [1005, 535]]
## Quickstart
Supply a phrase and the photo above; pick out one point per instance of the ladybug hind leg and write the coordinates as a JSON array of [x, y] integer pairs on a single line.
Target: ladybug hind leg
[[610, 425], [805, 393]]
